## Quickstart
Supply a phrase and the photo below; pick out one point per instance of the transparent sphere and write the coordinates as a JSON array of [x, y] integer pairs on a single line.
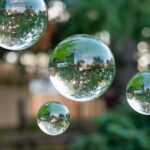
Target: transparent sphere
[[22, 23], [53, 118], [138, 92], [82, 68]]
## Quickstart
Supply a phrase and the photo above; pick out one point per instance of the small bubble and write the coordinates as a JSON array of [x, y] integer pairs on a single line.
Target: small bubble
[[138, 92], [53, 118]]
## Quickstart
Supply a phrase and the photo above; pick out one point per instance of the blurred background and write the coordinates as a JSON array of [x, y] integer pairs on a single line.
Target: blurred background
[[107, 123]]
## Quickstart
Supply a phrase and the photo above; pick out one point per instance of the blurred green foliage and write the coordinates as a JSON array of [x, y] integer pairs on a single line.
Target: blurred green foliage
[[118, 129], [122, 18]]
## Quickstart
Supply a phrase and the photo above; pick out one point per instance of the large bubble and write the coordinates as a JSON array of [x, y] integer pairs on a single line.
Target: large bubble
[[138, 92], [82, 68], [22, 23], [53, 118]]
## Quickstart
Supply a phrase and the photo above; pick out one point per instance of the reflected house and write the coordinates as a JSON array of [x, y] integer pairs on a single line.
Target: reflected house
[[53, 119], [129, 95], [147, 90], [110, 63], [98, 62], [57, 120], [82, 65], [53, 71], [61, 116]]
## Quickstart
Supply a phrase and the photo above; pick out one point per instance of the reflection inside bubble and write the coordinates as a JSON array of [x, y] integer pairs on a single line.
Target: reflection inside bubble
[[138, 92], [22, 23], [82, 68], [53, 118]]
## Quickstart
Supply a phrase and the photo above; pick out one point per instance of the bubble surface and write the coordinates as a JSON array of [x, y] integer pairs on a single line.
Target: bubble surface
[[81, 68], [22, 23], [53, 118], [138, 92]]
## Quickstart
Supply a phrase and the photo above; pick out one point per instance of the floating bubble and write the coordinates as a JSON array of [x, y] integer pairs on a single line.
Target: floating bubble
[[53, 118], [22, 23], [138, 92], [82, 68]]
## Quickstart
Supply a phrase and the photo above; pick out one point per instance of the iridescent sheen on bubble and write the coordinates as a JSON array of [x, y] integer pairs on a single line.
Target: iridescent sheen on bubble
[[22, 23], [53, 118], [82, 68], [138, 92]]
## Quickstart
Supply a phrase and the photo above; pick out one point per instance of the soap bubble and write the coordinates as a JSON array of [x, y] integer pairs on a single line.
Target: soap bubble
[[22, 23], [138, 92], [53, 118], [82, 68]]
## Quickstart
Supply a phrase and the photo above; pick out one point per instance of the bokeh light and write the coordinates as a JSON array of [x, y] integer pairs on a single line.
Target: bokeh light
[[57, 11], [143, 60]]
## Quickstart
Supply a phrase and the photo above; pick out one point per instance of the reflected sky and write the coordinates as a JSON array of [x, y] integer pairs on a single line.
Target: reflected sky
[[93, 49], [146, 76], [57, 108], [20, 5]]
